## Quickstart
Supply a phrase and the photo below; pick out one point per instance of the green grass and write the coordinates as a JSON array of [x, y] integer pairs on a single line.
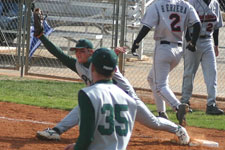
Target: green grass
[[63, 95], [44, 93]]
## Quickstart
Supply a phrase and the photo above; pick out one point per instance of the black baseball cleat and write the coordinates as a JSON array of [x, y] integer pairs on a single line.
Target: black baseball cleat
[[190, 109], [163, 115], [48, 134], [181, 112], [214, 110]]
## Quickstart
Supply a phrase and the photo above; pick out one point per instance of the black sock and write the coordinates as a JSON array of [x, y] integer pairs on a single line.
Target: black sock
[[56, 130]]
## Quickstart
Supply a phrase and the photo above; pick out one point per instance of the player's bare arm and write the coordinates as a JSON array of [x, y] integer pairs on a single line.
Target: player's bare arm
[[119, 50], [216, 49]]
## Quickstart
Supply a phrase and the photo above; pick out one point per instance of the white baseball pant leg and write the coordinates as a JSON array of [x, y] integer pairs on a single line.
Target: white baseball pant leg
[[209, 68], [166, 57], [71, 120], [147, 118], [160, 104]]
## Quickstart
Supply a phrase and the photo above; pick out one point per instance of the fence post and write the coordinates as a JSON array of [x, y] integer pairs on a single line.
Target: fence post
[[122, 35], [19, 35], [28, 35], [117, 23], [140, 52], [24, 22]]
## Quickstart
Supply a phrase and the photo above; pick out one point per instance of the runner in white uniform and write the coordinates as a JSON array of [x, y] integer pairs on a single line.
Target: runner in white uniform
[[170, 19], [207, 50], [81, 66]]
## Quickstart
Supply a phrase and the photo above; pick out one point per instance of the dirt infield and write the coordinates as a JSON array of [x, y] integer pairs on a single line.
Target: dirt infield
[[19, 123]]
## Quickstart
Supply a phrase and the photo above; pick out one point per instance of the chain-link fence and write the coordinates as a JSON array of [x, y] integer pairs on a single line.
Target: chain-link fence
[[14, 17], [107, 23], [9, 18], [96, 20]]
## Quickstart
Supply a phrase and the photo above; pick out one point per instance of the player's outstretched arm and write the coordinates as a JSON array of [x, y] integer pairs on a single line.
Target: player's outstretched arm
[[51, 47], [143, 32]]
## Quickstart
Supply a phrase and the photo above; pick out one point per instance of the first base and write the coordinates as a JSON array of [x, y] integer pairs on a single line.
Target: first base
[[199, 142]]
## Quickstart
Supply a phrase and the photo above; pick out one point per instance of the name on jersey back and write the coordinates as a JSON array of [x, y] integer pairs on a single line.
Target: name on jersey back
[[173, 8]]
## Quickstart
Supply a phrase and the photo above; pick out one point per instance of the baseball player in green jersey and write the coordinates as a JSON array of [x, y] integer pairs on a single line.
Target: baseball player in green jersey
[[170, 19], [81, 65], [107, 113], [207, 51]]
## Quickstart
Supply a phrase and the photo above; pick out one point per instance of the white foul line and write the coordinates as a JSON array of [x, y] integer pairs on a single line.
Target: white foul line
[[26, 120]]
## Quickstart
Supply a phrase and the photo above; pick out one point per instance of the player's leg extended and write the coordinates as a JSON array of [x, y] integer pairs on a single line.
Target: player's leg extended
[[160, 104], [147, 118], [68, 122], [166, 58], [161, 67], [191, 63]]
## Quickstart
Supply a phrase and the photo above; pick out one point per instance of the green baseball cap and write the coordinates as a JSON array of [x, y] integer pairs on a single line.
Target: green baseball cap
[[104, 60], [83, 43]]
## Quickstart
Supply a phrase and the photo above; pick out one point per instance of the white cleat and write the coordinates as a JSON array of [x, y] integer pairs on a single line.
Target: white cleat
[[182, 135], [48, 134]]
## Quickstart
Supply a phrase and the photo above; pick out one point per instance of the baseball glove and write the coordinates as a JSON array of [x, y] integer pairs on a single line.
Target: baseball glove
[[191, 47], [38, 22], [135, 46]]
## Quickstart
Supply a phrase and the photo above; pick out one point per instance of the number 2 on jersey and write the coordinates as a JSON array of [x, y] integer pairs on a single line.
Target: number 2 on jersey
[[175, 20], [110, 120], [209, 27]]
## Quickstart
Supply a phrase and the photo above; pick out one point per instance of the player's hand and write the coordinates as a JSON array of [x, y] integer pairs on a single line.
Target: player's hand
[[119, 50], [191, 47], [216, 49], [135, 46], [70, 147], [38, 22]]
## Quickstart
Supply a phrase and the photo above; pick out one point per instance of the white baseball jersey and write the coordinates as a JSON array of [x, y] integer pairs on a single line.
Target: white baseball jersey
[[210, 16], [171, 18], [84, 73], [115, 113], [118, 78]]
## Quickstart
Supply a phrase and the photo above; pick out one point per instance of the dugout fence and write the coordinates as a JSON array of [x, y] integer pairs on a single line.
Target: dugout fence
[[107, 23]]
